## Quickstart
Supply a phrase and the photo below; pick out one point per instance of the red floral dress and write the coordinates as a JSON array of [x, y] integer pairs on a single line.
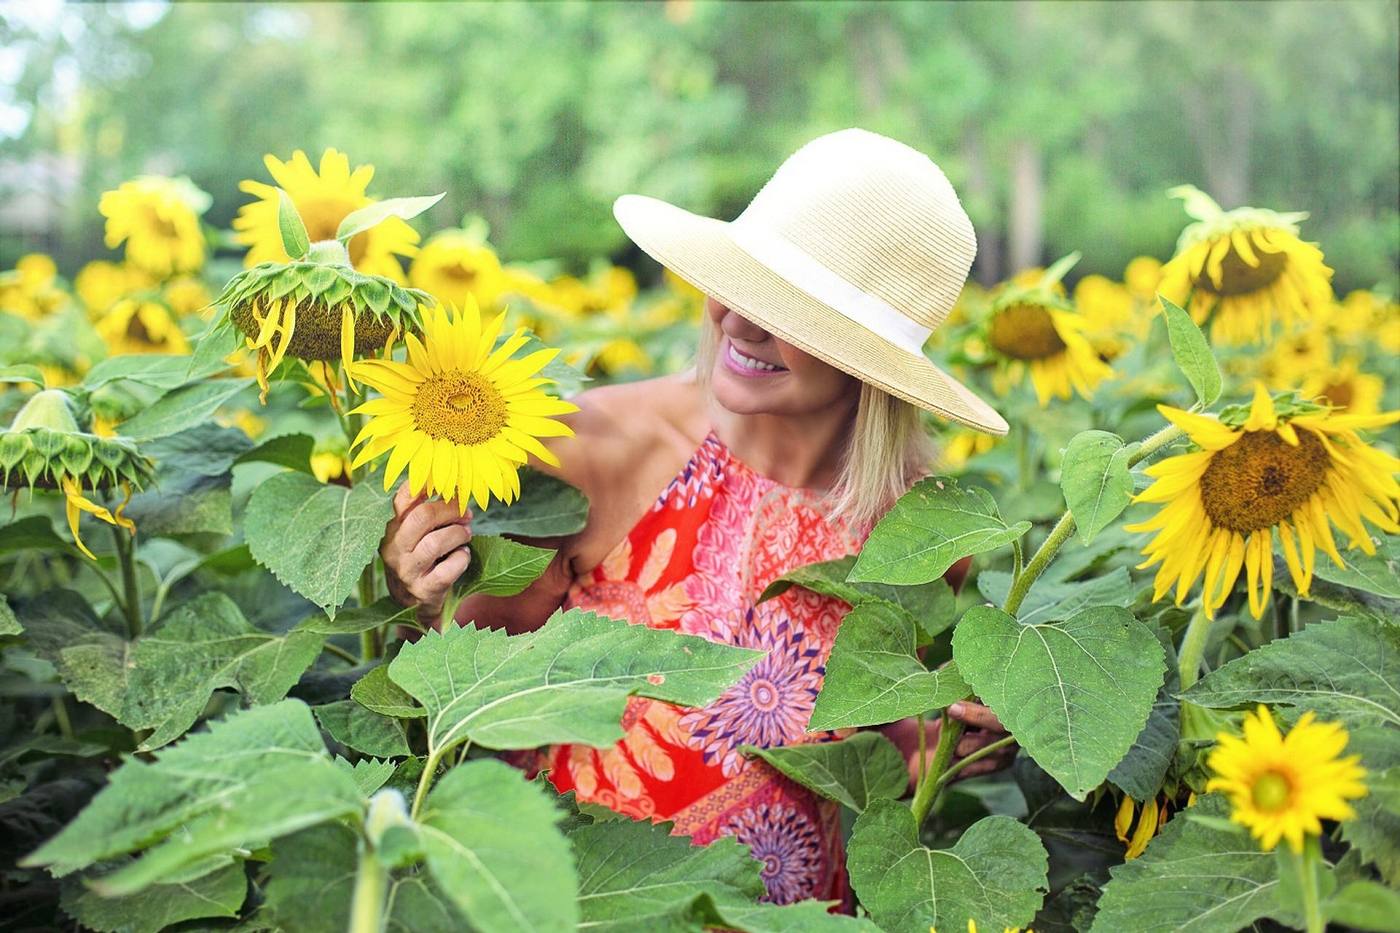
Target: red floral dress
[[696, 563]]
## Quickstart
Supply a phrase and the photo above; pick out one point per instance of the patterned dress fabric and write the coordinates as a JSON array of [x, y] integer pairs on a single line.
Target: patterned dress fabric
[[696, 563]]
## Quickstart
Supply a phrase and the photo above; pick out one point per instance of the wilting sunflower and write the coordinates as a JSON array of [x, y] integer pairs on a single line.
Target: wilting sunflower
[[1346, 388], [1247, 267], [158, 219], [133, 325], [460, 415], [1033, 327], [1283, 786], [44, 449], [1297, 472], [323, 199], [455, 265]]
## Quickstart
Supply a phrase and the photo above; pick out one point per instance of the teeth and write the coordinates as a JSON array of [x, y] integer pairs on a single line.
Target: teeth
[[750, 363]]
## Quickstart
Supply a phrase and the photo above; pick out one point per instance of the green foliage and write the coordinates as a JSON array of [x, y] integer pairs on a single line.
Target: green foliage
[[1377, 573], [502, 567], [547, 507], [316, 538], [362, 729], [249, 779], [568, 681], [1095, 480], [931, 604], [371, 215], [290, 226], [994, 874], [1193, 876], [932, 526], [182, 408], [874, 675], [220, 893], [853, 772], [1075, 693], [1192, 353], [377, 692]]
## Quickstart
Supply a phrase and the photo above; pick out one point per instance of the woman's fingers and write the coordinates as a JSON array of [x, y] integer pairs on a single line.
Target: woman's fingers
[[976, 716], [426, 518], [446, 573], [434, 546]]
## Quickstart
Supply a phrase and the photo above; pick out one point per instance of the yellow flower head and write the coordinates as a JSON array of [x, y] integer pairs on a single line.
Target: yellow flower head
[[460, 415], [1113, 321], [1283, 786], [1345, 387], [1296, 474], [1246, 267], [454, 265], [31, 290], [135, 326], [1142, 276], [186, 295], [323, 199], [100, 284], [1048, 341], [158, 219]]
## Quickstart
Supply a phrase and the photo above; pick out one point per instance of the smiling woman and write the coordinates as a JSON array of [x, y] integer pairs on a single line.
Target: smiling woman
[[798, 428]]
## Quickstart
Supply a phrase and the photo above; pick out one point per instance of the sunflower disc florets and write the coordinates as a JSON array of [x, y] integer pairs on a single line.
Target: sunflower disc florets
[[317, 309], [44, 449]]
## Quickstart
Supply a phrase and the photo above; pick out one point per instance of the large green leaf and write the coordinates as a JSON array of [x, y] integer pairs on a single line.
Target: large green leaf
[[1194, 876], [364, 730], [289, 224], [191, 492], [1365, 905], [158, 370], [371, 215], [548, 507], [1144, 767], [1192, 353], [994, 875], [1374, 833], [1074, 693], [1095, 480], [311, 883], [316, 538], [853, 771], [287, 450], [567, 681], [1048, 600], [360, 619], [1348, 670], [252, 777], [873, 675], [930, 528], [1377, 573], [932, 604], [219, 893], [182, 408], [164, 680], [635, 876], [502, 567], [492, 843], [377, 692]]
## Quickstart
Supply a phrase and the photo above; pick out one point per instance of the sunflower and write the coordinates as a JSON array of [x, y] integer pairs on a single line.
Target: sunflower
[[1112, 320], [1283, 786], [31, 289], [964, 445], [1291, 359], [136, 326], [1244, 266], [45, 449], [1035, 329], [1141, 277], [186, 295], [100, 284], [323, 199], [328, 459], [1346, 388], [1297, 472], [158, 219], [460, 415], [454, 265]]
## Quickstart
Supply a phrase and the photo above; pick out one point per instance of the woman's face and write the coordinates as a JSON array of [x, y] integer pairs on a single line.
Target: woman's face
[[757, 373]]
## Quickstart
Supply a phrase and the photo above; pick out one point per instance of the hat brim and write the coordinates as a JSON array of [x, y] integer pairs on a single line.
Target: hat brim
[[701, 251]]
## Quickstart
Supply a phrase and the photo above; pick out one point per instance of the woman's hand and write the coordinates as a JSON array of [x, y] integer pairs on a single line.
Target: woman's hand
[[424, 551], [983, 728]]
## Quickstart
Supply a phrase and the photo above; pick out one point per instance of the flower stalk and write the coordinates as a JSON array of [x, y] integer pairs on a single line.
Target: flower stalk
[[131, 583], [371, 891]]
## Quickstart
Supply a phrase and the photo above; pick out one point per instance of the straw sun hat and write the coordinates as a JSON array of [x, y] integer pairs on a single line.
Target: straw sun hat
[[854, 251]]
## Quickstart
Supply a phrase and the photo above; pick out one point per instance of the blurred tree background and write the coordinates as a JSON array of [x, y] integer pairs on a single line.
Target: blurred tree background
[[1061, 124]]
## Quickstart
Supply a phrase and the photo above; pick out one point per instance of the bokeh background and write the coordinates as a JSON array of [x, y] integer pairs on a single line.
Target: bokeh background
[[1061, 124]]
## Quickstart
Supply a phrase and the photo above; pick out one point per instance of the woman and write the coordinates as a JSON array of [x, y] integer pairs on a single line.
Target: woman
[[795, 432]]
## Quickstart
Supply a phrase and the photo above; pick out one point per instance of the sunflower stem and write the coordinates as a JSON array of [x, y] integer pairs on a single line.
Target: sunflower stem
[[923, 750], [371, 888], [1039, 561], [425, 780], [949, 731], [983, 752], [1193, 648], [1153, 443], [1308, 863], [131, 584]]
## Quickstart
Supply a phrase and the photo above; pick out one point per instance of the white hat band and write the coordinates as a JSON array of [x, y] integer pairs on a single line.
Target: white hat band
[[808, 275]]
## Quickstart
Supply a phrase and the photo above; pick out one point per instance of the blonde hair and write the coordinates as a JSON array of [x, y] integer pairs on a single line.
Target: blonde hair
[[887, 450]]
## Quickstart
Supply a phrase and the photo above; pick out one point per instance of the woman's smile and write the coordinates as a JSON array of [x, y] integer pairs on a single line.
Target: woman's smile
[[743, 364]]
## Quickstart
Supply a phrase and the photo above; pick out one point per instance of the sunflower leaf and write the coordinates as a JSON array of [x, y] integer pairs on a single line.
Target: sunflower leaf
[[1377, 573], [547, 507], [1192, 354], [316, 538], [252, 777], [1347, 670], [853, 772], [501, 567], [182, 408], [362, 729], [996, 873], [371, 215], [216, 894], [289, 224], [1095, 480], [932, 604], [931, 527], [1075, 693], [493, 844], [565, 682], [874, 676], [375, 691], [1194, 876]]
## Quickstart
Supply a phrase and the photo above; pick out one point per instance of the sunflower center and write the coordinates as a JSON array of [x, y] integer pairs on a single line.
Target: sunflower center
[[1261, 479], [1339, 394], [460, 274], [163, 227], [1238, 277], [1271, 791], [462, 407], [1025, 332]]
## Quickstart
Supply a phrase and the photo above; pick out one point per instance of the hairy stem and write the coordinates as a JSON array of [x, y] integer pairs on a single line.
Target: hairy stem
[[371, 887], [1041, 559], [949, 731], [1308, 863], [976, 756], [1193, 648], [425, 780], [131, 584]]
